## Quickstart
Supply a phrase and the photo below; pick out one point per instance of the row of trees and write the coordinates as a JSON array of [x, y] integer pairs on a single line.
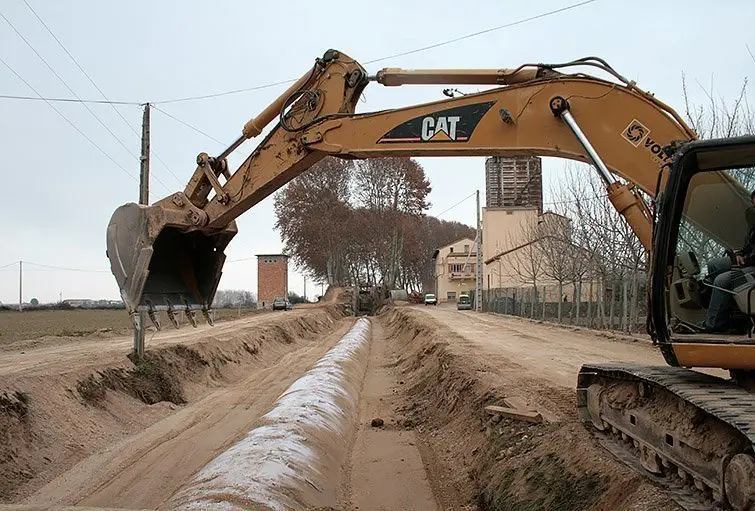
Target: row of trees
[[590, 243], [347, 222]]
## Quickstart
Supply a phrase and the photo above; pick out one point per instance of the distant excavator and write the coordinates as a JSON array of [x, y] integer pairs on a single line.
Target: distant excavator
[[678, 423]]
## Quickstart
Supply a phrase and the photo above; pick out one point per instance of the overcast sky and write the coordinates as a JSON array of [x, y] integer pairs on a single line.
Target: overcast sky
[[59, 190]]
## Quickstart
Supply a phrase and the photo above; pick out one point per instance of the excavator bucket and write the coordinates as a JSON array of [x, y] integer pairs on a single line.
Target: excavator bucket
[[159, 266]]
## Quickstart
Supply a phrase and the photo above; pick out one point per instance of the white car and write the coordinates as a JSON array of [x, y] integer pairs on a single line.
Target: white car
[[430, 299]]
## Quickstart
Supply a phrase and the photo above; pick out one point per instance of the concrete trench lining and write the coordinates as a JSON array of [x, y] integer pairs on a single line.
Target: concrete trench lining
[[293, 459]]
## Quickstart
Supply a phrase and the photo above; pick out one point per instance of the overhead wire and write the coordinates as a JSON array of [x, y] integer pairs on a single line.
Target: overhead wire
[[100, 121], [69, 100], [453, 206], [91, 80], [197, 130], [393, 56], [481, 32], [65, 268], [194, 128], [48, 267], [100, 149]]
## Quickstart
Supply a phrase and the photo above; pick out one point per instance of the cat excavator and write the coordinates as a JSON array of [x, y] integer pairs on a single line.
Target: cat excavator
[[690, 422]]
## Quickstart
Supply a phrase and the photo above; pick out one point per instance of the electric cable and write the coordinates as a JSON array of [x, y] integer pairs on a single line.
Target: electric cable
[[71, 122]]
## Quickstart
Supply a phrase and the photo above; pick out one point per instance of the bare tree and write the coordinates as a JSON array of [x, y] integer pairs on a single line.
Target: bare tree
[[526, 258]]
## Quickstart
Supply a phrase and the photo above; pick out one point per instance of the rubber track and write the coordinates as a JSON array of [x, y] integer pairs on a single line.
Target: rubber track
[[720, 398]]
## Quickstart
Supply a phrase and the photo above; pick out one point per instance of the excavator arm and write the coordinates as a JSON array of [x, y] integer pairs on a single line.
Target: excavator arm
[[169, 255]]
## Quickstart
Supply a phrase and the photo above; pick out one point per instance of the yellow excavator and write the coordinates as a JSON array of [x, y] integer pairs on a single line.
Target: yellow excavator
[[678, 424]]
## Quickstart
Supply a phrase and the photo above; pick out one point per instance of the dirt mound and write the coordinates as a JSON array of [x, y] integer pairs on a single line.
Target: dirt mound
[[51, 421], [502, 463]]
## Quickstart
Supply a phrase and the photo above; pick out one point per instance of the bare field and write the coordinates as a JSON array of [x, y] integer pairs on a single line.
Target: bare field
[[35, 324]]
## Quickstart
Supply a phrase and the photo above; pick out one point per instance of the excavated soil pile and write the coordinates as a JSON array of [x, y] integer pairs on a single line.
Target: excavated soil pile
[[51, 421], [494, 463]]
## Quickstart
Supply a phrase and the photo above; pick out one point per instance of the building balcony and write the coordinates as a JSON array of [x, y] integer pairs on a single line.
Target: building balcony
[[461, 276]]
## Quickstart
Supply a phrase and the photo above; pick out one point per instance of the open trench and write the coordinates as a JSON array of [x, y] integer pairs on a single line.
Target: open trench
[[317, 411]]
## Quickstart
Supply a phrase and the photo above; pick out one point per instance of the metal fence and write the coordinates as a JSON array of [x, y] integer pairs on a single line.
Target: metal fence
[[613, 306]]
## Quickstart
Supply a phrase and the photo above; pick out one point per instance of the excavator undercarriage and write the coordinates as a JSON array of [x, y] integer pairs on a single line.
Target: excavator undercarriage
[[693, 430]]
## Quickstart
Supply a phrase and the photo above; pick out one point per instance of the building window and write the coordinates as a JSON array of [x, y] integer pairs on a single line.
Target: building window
[[451, 250], [451, 295], [461, 268], [466, 249]]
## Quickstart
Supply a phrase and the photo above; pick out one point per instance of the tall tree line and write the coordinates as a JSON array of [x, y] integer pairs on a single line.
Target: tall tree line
[[347, 222]]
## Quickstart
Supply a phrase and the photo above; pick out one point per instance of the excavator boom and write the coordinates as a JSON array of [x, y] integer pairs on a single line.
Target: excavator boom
[[169, 255]]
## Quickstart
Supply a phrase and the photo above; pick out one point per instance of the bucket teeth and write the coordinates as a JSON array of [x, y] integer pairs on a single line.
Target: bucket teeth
[[192, 315], [172, 315], [208, 317], [155, 320]]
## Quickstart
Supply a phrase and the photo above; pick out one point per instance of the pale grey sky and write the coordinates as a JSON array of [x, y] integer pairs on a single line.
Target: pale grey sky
[[60, 191]]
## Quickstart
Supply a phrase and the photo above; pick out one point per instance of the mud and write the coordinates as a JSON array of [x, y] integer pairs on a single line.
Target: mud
[[502, 464], [292, 459], [54, 414]]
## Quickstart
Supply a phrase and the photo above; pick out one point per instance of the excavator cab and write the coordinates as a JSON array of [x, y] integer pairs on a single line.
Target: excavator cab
[[704, 216]]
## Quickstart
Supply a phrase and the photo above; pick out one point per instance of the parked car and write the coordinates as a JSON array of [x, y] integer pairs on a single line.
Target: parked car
[[430, 299], [464, 303], [280, 303]]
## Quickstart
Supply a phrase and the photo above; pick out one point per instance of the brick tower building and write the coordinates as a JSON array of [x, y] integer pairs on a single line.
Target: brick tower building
[[272, 278]]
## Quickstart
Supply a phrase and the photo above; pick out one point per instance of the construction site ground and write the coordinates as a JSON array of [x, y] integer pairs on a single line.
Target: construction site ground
[[80, 425]]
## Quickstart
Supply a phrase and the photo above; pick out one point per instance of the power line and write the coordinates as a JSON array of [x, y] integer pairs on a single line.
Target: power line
[[750, 52], [44, 61], [401, 54], [91, 80], [194, 128], [226, 93], [65, 268], [47, 267], [486, 31], [69, 100], [589, 198], [452, 207], [71, 123], [189, 125], [239, 260]]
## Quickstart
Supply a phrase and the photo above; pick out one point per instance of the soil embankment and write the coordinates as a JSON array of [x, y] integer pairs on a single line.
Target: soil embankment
[[451, 374], [81, 424]]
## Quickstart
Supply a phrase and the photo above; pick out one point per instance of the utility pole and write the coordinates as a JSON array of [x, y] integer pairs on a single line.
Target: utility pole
[[143, 199], [478, 249], [20, 286], [305, 288]]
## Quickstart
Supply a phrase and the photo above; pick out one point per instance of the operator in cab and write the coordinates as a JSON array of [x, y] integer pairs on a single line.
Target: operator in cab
[[720, 299]]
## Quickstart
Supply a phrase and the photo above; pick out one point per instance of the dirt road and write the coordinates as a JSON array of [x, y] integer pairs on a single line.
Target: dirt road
[[543, 351]]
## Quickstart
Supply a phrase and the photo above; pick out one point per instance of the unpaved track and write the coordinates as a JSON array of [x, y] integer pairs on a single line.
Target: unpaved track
[[543, 351], [87, 352], [145, 469], [385, 470]]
